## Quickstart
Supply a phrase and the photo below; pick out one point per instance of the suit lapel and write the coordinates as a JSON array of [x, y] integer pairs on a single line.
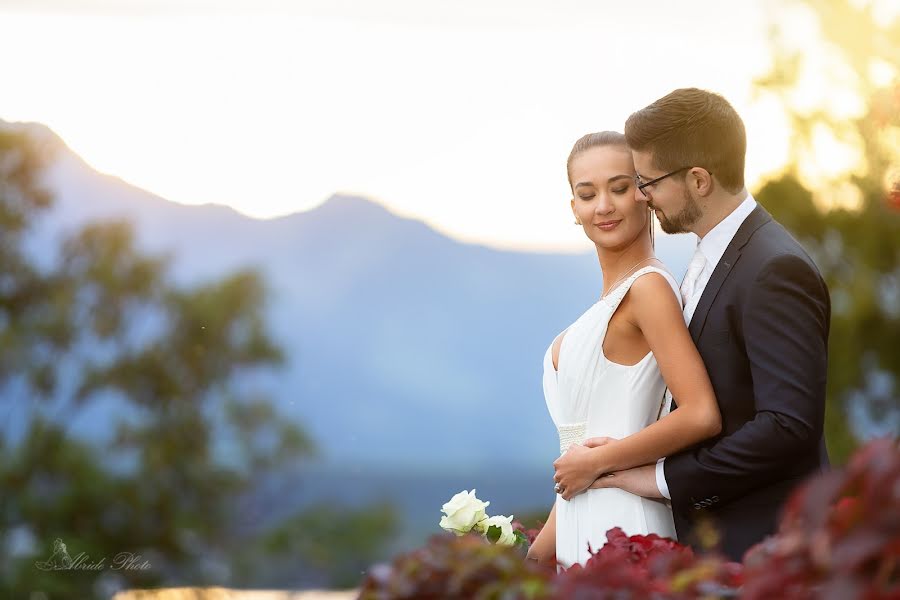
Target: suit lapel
[[754, 221]]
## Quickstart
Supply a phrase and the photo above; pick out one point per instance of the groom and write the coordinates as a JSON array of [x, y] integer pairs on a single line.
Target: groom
[[758, 311]]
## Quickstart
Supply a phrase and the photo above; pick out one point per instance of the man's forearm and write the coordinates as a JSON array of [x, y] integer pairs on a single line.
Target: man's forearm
[[640, 481], [753, 456]]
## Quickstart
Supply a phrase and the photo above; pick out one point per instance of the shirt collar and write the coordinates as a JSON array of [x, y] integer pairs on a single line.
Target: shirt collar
[[714, 243]]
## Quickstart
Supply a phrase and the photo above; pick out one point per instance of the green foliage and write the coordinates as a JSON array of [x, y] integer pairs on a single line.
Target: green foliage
[[493, 534], [104, 320], [32, 305], [335, 542], [521, 538], [855, 243]]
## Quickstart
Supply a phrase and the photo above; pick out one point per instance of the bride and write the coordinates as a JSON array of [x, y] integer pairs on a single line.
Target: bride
[[605, 376]]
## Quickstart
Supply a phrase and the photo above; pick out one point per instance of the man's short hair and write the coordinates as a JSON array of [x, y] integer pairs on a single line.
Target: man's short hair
[[692, 128]]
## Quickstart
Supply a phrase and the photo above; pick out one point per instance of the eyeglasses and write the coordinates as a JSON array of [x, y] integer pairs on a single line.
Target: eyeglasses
[[642, 184]]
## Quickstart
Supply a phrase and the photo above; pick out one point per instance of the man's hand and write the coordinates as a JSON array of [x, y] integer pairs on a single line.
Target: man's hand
[[640, 481], [574, 470]]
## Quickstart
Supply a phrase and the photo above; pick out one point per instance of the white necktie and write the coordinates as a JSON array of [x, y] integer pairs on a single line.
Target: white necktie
[[689, 285]]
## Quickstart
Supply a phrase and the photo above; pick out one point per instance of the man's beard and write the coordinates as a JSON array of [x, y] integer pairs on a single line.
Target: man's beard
[[681, 222]]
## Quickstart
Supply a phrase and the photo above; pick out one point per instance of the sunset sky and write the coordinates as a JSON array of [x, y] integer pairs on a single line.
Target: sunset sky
[[460, 113]]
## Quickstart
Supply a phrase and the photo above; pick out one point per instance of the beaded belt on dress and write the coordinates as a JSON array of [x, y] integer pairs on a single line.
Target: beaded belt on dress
[[571, 434]]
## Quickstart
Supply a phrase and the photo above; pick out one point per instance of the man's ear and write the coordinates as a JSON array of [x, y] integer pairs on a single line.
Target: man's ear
[[701, 180]]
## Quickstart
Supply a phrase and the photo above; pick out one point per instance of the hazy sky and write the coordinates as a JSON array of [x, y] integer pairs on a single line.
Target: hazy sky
[[459, 113]]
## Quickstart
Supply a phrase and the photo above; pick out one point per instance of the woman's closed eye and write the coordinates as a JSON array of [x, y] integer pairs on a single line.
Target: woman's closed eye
[[618, 191]]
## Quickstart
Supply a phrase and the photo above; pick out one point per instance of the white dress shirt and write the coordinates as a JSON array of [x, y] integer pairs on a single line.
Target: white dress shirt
[[713, 246]]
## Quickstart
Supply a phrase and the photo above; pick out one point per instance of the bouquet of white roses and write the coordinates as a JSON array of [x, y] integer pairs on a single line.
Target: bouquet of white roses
[[465, 513]]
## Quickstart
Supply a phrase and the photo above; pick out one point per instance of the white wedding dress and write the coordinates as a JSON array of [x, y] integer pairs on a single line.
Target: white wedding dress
[[591, 396]]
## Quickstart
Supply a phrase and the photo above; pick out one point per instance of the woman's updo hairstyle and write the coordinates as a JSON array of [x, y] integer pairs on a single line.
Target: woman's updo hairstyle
[[594, 140]]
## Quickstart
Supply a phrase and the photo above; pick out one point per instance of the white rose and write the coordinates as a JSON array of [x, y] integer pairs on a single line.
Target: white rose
[[507, 536], [463, 512]]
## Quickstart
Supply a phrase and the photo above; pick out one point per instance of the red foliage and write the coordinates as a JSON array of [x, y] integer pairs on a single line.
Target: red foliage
[[839, 537], [606, 575], [648, 566], [641, 548], [451, 566]]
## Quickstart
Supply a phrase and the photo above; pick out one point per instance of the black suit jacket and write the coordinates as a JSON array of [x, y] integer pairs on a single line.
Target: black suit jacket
[[761, 327]]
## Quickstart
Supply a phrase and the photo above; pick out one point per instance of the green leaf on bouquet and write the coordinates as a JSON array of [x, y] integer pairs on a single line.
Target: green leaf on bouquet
[[493, 534], [521, 538]]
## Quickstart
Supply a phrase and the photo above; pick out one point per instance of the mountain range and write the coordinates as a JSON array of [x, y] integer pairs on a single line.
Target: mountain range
[[406, 348]]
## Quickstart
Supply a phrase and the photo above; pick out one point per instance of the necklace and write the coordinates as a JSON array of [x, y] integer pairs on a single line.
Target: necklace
[[627, 273]]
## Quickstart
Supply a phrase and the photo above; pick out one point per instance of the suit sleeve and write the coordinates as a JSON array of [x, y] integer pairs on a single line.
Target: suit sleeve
[[785, 325]]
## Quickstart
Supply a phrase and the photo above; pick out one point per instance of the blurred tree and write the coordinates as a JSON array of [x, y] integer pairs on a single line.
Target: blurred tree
[[337, 546], [103, 323], [850, 222]]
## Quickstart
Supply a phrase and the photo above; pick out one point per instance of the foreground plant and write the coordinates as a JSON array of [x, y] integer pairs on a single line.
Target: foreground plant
[[466, 566], [648, 566], [839, 537]]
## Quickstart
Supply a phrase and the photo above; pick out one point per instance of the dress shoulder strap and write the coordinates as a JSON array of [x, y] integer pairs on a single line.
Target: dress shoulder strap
[[617, 295]]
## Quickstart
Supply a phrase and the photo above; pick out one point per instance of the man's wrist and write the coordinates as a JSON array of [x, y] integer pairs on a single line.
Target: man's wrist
[[661, 483]]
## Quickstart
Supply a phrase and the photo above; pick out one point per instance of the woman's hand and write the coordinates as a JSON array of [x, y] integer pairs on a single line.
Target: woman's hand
[[575, 470], [578, 467]]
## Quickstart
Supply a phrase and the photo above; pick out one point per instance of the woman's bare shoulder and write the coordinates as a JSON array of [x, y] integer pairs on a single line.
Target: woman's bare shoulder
[[654, 290]]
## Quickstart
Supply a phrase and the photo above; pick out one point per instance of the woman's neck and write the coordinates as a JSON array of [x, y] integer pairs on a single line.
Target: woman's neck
[[617, 264]]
